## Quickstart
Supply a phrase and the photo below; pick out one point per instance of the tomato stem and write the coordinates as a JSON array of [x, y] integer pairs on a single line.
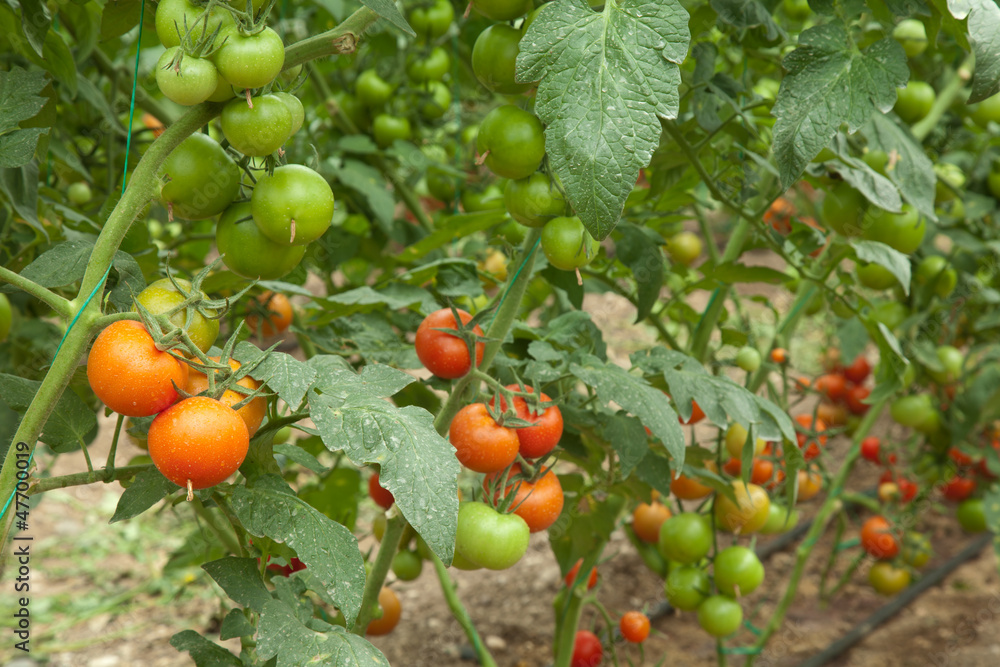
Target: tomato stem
[[342, 39], [48, 297], [380, 568], [81, 478], [460, 613]]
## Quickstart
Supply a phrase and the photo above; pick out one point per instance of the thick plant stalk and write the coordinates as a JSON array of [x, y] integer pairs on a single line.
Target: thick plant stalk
[[386, 552], [461, 614]]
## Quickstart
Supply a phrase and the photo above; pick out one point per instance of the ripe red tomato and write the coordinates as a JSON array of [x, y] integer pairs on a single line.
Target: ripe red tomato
[[688, 488], [539, 503], [280, 318], [779, 215], [855, 399], [443, 354], [647, 519], [382, 498], [480, 443], [810, 444], [958, 488], [697, 414], [252, 413], [858, 371], [391, 611], [541, 438], [130, 375], [760, 472], [870, 449], [587, 650], [198, 442], [571, 575], [634, 626], [960, 457], [878, 540], [832, 385]]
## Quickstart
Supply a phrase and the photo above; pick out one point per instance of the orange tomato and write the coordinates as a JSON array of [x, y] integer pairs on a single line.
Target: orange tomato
[[779, 355], [480, 443], [391, 611], [280, 317], [539, 503], [810, 484], [252, 413], [809, 443], [647, 519], [688, 488]]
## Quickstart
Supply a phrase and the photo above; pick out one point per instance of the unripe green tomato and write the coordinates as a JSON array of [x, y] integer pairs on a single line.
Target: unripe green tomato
[[843, 210], [190, 82], [874, 276], [686, 587], [914, 101], [934, 270], [161, 296], [502, 10], [685, 538], [890, 313], [223, 90], [432, 68], [916, 549], [431, 22], [436, 100], [797, 10], [489, 199], [748, 358], [282, 435], [986, 111], [993, 182], [877, 160], [513, 142], [247, 252], [684, 248], [407, 565], [841, 309], [950, 177], [372, 90], [971, 515], [720, 616], [903, 231], [825, 155], [260, 130], [567, 244], [388, 128], [779, 520], [912, 36], [952, 360], [79, 193], [513, 231], [533, 201], [6, 317], [493, 58], [295, 108], [738, 571], [815, 304], [440, 185]]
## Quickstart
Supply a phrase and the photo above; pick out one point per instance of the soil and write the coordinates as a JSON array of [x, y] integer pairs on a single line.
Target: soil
[[954, 624]]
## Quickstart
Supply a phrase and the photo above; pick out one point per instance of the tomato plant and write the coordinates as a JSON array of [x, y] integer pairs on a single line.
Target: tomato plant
[[443, 354]]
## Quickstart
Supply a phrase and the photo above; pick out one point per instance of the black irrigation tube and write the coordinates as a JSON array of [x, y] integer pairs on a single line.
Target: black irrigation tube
[[898, 603]]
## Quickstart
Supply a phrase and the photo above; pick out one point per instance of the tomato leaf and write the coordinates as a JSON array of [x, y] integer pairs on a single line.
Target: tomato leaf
[[387, 10], [370, 184], [629, 440], [830, 82], [20, 186], [745, 14], [71, 424], [885, 256], [269, 508], [148, 488], [605, 81], [450, 229], [235, 624], [204, 652], [118, 17], [639, 249], [913, 172], [283, 374], [416, 464], [876, 188], [984, 35], [366, 299], [61, 265], [635, 395], [240, 579], [281, 633]]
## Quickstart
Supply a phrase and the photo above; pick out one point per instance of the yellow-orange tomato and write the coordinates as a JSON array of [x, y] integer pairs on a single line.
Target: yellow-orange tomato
[[198, 442], [391, 611], [746, 515], [810, 484], [647, 519], [688, 488], [252, 413], [280, 317]]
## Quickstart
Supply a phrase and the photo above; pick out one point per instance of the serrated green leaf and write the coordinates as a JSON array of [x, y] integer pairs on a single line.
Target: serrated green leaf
[[416, 464], [829, 83], [876, 188], [148, 488], [61, 265], [286, 376], [656, 471], [335, 377], [387, 9], [240, 579], [984, 35], [733, 272], [35, 22], [363, 299], [281, 634], [270, 508], [890, 258], [629, 440], [18, 148], [302, 457], [205, 653], [913, 172], [20, 185], [369, 183], [734, 337], [639, 249], [605, 81], [744, 14], [19, 99], [636, 396], [129, 281], [118, 17], [71, 424], [566, 282]]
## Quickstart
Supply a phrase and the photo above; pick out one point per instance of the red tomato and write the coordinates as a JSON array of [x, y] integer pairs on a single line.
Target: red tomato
[[832, 385], [958, 488], [382, 497], [571, 575], [443, 354], [480, 443], [855, 399], [960, 457], [858, 371], [696, 414], [870, 449], [587, 650], [539, 503], [541, 438], [807, 424], [877, 539]]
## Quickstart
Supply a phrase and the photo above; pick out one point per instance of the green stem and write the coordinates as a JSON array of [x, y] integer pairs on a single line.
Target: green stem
[[308, 348], [81, 478], [570, 619], [460, 613], [944, 100], [46, 296], [206, 515], [831, 505], [109, 466], [242, 539], [386, 552], [706, 325], [342, 39]]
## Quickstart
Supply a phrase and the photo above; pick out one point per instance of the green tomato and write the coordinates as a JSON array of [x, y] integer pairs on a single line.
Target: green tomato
[[890, 313], [888, 579], [388, 128], [685, 538], [986, 112], [198, 179], [684, 248], [250, 61], [797, 10], [161, 296], [567, 244], [436, 100], [841, 309], [686, 587], [502, 10], [493, 58], [353, 110], [79, 193], [913, 411], [993, 183], [513, 142], [875, 276], [257, 131], [971, 515], [407, 565], [282, 435], [295, 108], [912, 36], [173, 17], [914, 101], [247, 252], [373, 90], [877, 160], [490, 199], [720, 616], [916, 549], [950, 177], [903, 231], [6, 317], [293, 206], [779, 520], [738, 571], [490, 539], [432, 68], [748, 359], [461, 563], [935, 271], [432, 22], [843, 210], [952, 360], [533, 201], [223, 90], [514, 232], [189, 82], [440, 185]]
